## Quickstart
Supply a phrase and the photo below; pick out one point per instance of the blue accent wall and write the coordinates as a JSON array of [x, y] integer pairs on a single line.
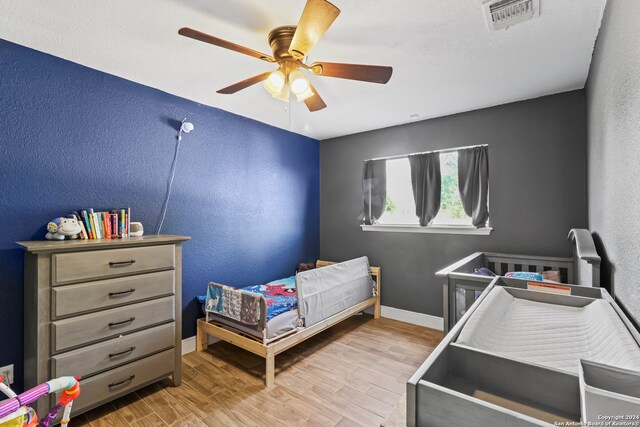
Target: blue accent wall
[[72, 137]]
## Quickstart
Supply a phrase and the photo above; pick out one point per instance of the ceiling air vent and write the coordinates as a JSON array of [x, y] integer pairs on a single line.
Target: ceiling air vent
[[505, 13]]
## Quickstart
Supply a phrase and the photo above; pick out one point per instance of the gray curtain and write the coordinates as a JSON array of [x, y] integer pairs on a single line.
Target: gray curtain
[[374, 190], [473, 180], [426, 184]]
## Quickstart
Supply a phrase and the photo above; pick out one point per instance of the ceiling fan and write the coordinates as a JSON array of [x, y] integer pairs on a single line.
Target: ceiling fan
[[290, 46]]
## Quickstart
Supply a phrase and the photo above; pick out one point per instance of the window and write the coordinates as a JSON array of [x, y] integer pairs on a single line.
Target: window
[[400, 209], [451, 211]]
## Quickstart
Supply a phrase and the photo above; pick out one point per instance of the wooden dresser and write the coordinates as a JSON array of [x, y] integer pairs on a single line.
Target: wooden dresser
[[107, 310]]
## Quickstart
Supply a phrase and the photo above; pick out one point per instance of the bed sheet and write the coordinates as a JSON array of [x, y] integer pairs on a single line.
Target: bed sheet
[[280, 295]]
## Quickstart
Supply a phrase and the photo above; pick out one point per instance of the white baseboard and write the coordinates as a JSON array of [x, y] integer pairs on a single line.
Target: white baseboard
[[420, 319], [189, 344]]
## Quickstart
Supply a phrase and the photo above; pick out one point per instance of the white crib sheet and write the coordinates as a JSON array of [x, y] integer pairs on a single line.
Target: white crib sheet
[[552, 335]]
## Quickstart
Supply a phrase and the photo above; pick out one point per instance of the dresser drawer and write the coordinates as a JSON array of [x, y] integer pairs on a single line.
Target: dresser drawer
[[122, 380], [93, 327], [115, 352], [89, 297], [82, 266]]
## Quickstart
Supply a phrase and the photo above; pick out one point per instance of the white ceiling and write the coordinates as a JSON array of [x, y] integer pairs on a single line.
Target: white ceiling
[[444, 59]]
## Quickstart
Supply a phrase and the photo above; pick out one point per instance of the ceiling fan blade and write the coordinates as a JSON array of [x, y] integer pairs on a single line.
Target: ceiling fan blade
[[365, 73], [244, 84], [203, 37], [315, 102], [316, 18]]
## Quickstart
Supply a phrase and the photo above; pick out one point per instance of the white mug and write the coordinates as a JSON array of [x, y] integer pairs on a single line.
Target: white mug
[[136, 229]]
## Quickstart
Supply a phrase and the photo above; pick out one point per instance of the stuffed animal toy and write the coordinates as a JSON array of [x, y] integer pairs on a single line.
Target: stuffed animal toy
[[304, 266], [63, 228]]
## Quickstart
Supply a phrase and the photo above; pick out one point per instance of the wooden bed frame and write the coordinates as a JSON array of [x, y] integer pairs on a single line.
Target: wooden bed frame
[[270, 350]]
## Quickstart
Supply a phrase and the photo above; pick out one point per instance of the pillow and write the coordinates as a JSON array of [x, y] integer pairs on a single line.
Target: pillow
[[551, 276], [202, 299], [483, 272]]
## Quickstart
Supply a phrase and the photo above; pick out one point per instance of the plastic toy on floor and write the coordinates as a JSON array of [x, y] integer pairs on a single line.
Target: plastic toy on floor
[[14, 411]]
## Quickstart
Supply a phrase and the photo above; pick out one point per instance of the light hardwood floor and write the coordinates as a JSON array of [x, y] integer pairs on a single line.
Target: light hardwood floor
[[350, 375]]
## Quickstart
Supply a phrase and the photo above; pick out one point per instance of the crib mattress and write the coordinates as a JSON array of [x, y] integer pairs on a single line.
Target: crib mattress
[[551, 335]]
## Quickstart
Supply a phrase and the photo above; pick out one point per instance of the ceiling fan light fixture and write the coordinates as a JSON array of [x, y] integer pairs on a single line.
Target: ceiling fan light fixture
[[298, 82], [275, 83], [305, 95], [269, 88], [283, 94]]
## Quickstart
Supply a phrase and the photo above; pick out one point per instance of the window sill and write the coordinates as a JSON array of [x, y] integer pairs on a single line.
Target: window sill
[[434, 229]]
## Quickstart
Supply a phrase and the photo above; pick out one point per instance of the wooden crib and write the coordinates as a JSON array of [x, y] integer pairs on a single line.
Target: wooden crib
[[582, 269]]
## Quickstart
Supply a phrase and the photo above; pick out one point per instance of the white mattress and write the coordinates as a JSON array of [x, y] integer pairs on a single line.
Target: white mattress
[[278, 326], [552, 335], [282, 324]]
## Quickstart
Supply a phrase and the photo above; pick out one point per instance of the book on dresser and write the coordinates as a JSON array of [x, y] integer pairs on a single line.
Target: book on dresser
[[107, 310], [103, 225]]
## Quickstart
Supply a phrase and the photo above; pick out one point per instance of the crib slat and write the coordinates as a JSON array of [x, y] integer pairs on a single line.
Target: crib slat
[[497, 268], [469, 298], [569, 275]]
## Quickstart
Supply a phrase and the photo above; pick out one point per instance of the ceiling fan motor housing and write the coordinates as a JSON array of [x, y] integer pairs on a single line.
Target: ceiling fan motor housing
[[280, 40]]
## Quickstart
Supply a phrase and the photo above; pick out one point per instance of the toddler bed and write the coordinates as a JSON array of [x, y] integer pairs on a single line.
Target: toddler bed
[[523, 357], [264, 312], [468, 277], [269, 319]]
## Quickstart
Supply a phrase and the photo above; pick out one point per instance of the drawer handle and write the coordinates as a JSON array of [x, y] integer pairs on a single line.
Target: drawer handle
[[117, 294], [121, 263], [120, 353], [112, 324], [128, 380]]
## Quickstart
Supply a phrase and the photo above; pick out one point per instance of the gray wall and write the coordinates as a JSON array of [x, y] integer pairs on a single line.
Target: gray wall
[[613, 114], [537, 155]]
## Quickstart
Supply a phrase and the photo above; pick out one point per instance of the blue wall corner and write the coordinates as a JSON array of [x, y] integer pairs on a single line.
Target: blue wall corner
[[72, 137]]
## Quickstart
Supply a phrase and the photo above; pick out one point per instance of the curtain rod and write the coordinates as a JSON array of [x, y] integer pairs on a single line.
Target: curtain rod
[[444, 150]]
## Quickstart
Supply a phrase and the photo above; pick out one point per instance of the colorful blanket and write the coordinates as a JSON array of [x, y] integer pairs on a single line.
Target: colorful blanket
[[280, 295], [236, 304], [243, 304]]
